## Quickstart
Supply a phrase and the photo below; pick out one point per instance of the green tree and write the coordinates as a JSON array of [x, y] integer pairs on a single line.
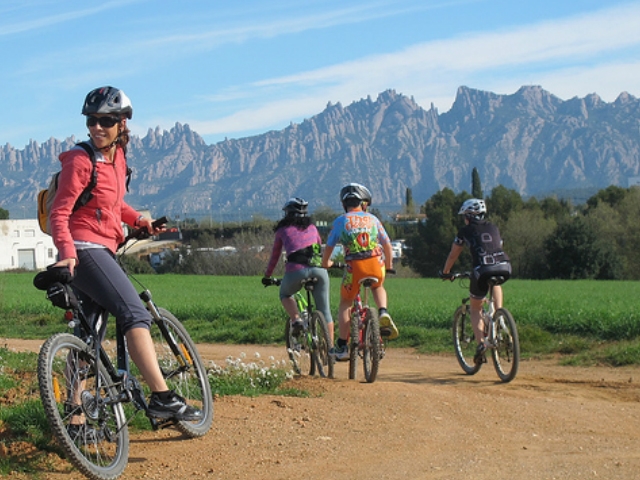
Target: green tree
[[502, 202], [574, 251], [524, 238], [476, 185], [612, 195], [429, 246], [4, 214], [410, 207]]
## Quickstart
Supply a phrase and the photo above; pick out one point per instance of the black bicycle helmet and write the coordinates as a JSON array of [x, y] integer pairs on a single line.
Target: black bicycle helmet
[[296, 206], [107, 100], [354, 194]]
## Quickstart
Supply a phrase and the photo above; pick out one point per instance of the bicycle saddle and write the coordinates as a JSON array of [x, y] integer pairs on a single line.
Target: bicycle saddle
[[51, 275]]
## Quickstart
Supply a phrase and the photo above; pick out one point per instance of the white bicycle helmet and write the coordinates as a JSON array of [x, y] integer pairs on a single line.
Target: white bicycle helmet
[[474, 207], [107, 100]]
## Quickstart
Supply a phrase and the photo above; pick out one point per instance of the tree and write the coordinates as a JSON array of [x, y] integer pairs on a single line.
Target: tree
[[503, 202], [429, 246], [410, 208], [524, 238], [476, 186], [574, 251], [4, 214]]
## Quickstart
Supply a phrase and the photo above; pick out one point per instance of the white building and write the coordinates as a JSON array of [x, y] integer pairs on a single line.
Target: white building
[[24, 245]]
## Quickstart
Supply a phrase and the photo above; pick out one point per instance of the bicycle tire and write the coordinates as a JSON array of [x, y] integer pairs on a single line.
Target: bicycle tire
[[506, 354], [354, 345], [299, 352], [320, 344], [101, 449], [372, 348], [464, 343], [189, 380]]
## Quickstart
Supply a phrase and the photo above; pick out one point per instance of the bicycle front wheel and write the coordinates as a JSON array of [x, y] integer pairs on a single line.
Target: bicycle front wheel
[[354, 345], [320, 342], [78, 397], [372, 348], [183, 370], [464, 342], [299, 351], [506, 354]]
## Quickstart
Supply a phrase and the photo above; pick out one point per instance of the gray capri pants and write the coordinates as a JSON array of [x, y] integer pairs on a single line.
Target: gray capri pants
[[292, 282], [101, 282]]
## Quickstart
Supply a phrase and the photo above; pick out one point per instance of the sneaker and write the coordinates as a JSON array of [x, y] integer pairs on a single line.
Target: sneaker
[[84, 433], [480, 358], [296, 328], [387, 327], [340, 353], [174, 408]]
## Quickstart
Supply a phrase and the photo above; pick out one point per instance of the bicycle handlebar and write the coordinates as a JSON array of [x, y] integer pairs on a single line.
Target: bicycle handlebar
[[142, 233], [452, 276], [267, 282]]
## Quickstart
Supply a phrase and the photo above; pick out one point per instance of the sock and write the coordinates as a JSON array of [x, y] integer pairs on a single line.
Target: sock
[[164, 396], [342, 343]]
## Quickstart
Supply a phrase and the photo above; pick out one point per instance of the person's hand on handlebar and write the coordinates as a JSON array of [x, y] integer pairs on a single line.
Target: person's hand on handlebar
[[446, 276], [148, 225]]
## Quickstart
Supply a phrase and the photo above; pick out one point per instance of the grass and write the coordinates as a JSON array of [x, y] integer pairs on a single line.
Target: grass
[[584, 322]]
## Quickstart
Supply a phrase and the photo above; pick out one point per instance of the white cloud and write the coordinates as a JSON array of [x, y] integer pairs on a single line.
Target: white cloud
[[570, 55]]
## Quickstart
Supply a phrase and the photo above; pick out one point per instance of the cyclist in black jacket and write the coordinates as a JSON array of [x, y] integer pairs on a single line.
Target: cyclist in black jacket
[[489, 259]]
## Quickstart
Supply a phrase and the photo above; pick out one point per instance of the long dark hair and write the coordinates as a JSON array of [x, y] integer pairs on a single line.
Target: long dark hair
[[301, 223]]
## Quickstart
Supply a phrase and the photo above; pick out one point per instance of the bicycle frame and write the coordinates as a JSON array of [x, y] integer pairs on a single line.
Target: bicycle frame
[[365, 338]]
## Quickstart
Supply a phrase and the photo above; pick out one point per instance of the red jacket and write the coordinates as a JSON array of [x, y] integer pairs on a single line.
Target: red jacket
[[100, 220]]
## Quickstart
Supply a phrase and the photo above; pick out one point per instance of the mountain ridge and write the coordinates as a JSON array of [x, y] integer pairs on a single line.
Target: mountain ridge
[[530, 141]]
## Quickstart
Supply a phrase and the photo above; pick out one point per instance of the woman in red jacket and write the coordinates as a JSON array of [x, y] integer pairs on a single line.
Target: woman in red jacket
[[87, 239]]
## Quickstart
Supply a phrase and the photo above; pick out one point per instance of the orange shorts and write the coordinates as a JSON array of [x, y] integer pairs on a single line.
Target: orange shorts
[[356, 270]]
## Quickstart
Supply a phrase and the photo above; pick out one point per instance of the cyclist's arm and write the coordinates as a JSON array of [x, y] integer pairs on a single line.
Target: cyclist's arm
[[388, 256], [326, 256], [455, 252]]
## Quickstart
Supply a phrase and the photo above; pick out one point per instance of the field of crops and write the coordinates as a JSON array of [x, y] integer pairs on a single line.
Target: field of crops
[[241, 310]]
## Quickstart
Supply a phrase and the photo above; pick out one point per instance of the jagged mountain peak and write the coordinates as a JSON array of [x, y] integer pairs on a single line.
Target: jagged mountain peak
[[530, 141]]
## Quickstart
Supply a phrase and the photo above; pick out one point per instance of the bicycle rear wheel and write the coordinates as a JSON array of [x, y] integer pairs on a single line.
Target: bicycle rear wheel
[[183, 370], [372, 348], [75, 394], [506, 354], [464, 343], [320, 343], [299, 351]]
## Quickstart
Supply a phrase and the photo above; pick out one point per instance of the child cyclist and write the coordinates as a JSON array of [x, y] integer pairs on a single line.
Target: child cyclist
[[367, 253], [488, 259], [301, 242]]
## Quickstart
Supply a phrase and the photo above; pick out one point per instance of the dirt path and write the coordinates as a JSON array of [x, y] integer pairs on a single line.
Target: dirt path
[[422, 419]]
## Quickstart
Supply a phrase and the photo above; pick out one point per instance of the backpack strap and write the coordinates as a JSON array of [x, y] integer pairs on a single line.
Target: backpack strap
[[86, 194]]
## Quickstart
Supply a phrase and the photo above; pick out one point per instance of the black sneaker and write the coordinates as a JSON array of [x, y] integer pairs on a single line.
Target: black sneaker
[[174, 408], [480, 358]]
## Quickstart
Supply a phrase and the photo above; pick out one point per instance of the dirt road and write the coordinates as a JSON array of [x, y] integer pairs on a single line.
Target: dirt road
[[422, 419]]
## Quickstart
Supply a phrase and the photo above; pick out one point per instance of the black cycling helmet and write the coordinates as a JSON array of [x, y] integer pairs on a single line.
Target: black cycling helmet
[[296, 206], [107, 100], [353, 194]]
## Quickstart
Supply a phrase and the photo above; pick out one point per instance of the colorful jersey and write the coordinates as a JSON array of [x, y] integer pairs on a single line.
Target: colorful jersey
[[484, 242], [292, 239], [360, 233]]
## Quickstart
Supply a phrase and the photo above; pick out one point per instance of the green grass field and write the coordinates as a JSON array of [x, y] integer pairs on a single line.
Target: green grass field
[[586, 321]]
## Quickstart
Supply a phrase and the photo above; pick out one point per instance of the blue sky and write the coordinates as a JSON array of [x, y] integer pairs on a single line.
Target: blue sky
[[243, 67]]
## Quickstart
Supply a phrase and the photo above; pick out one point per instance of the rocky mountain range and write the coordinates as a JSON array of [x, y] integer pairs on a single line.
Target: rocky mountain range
[[530, 141]]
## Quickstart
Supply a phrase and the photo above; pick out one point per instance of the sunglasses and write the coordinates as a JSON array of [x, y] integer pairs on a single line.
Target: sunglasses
[[105, 122]]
